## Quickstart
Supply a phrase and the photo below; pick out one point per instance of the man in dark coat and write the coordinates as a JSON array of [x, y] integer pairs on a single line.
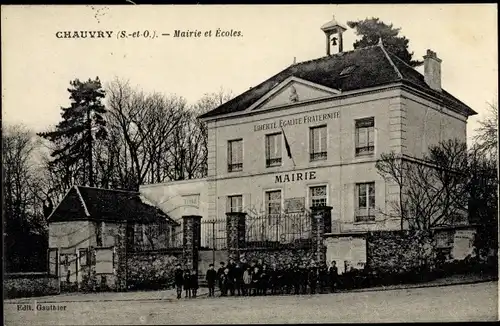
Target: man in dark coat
[[296, 278], [231, 276], [312, 277], [178, 279], [194, 283], [211, 277], [333, 274], [275, 279], [303, 278], [238, 278]]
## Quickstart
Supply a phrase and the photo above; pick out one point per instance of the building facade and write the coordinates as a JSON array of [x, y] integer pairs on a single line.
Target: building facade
[[311, 135]]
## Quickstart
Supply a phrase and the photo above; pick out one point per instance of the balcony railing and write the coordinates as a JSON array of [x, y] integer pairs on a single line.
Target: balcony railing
[[235, 167], [273, 162], [319, 156], [365, 150]]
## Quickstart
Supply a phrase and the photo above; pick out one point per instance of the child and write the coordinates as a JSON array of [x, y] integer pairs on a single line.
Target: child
[[256, 281], [223, 280], [178, 279], [194, 283], [211, 277], [187, 283], [247, 281]]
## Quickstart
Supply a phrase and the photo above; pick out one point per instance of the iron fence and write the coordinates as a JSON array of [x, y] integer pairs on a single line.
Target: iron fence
[[213, 234], [284, 228]]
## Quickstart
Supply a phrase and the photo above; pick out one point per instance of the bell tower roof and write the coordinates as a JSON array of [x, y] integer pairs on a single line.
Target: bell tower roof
[[333, 26]]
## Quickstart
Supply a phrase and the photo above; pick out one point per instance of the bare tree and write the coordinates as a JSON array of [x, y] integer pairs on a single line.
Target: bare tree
[[431, 191], [487, 133], [142, 125]]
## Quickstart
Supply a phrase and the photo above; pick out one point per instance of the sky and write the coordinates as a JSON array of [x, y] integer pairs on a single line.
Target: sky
[[37, 66]]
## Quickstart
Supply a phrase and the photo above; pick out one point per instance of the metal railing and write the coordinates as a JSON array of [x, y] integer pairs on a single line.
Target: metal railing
[[284, 228], [213, 234]]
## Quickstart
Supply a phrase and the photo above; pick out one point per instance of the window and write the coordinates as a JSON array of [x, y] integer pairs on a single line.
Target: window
[[235, 155], [235, 203], [273, 150], [99, 234], [317, 137], [317, 196], [273, 204], [366, 202], [365, 136]]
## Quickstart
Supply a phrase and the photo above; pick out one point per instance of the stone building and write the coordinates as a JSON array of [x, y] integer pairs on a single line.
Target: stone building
[[92, 231], [310, 135]]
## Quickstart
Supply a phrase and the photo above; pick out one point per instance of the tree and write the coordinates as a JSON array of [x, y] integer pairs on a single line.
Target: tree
[[371, 29], [83, 124], [432, 191], [487, 133], [142, 128], [24, 224]]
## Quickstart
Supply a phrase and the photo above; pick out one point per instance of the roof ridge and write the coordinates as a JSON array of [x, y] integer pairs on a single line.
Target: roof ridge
[[381, 45], [340, 54], [115, 190], [81, 199]]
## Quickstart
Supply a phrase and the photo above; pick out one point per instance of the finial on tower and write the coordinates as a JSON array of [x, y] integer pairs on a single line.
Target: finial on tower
[[332, 28]]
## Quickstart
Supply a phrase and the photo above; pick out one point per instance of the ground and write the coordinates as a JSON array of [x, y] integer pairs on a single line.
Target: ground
[[467, 302]]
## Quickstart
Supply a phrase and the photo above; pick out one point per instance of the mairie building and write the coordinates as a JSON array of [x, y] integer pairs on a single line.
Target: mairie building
[[311, 134]]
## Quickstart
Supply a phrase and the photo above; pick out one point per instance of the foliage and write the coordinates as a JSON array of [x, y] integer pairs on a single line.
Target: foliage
[[82, 124], [371, 29]]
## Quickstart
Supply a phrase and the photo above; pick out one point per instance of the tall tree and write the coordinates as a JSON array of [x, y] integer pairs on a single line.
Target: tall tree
[[371, 29], [82, 124]]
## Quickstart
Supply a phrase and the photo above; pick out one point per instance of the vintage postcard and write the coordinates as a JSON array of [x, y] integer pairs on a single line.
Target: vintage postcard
[[244, 164]]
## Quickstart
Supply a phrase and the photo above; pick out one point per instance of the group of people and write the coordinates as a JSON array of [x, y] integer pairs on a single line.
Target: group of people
[[187, 279], [256, 278]]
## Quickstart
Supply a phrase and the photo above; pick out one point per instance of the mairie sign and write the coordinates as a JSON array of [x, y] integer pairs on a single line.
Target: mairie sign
[[296, 176]]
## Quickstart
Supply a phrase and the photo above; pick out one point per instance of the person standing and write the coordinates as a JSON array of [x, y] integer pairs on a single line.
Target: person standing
[[274, 279], [225, 279], [194, 283], [303, 278], [296, 278], [333, 274], [264, 279], [255, 281], [231, 276], [312, 277], [187, 283], [220, 274], [178, 279], [211, 277], [247, 281], [238, 278]]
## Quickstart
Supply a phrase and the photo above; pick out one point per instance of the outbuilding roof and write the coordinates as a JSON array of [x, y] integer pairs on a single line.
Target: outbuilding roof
[[88, 203], [373, 66]]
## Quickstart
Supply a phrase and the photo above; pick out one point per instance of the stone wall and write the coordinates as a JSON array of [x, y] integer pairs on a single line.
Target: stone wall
[[153, 270], [19, 285], [280, 256], [399, 252]]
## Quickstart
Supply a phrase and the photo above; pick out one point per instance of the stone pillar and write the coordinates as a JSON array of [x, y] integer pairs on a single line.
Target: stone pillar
[[120, 257], [320, 224], [235, 230], [191, 238]]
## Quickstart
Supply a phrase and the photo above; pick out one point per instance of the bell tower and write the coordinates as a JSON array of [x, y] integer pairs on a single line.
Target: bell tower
[[333, 32]]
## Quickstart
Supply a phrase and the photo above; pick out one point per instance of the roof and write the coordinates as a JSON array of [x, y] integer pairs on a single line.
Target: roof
[[375, 66], [88, 203]]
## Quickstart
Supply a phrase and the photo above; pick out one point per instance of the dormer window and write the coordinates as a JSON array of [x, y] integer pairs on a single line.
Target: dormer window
[[347, 70]]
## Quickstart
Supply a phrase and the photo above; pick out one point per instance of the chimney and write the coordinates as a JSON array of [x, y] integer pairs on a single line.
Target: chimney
[[432, 70]]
